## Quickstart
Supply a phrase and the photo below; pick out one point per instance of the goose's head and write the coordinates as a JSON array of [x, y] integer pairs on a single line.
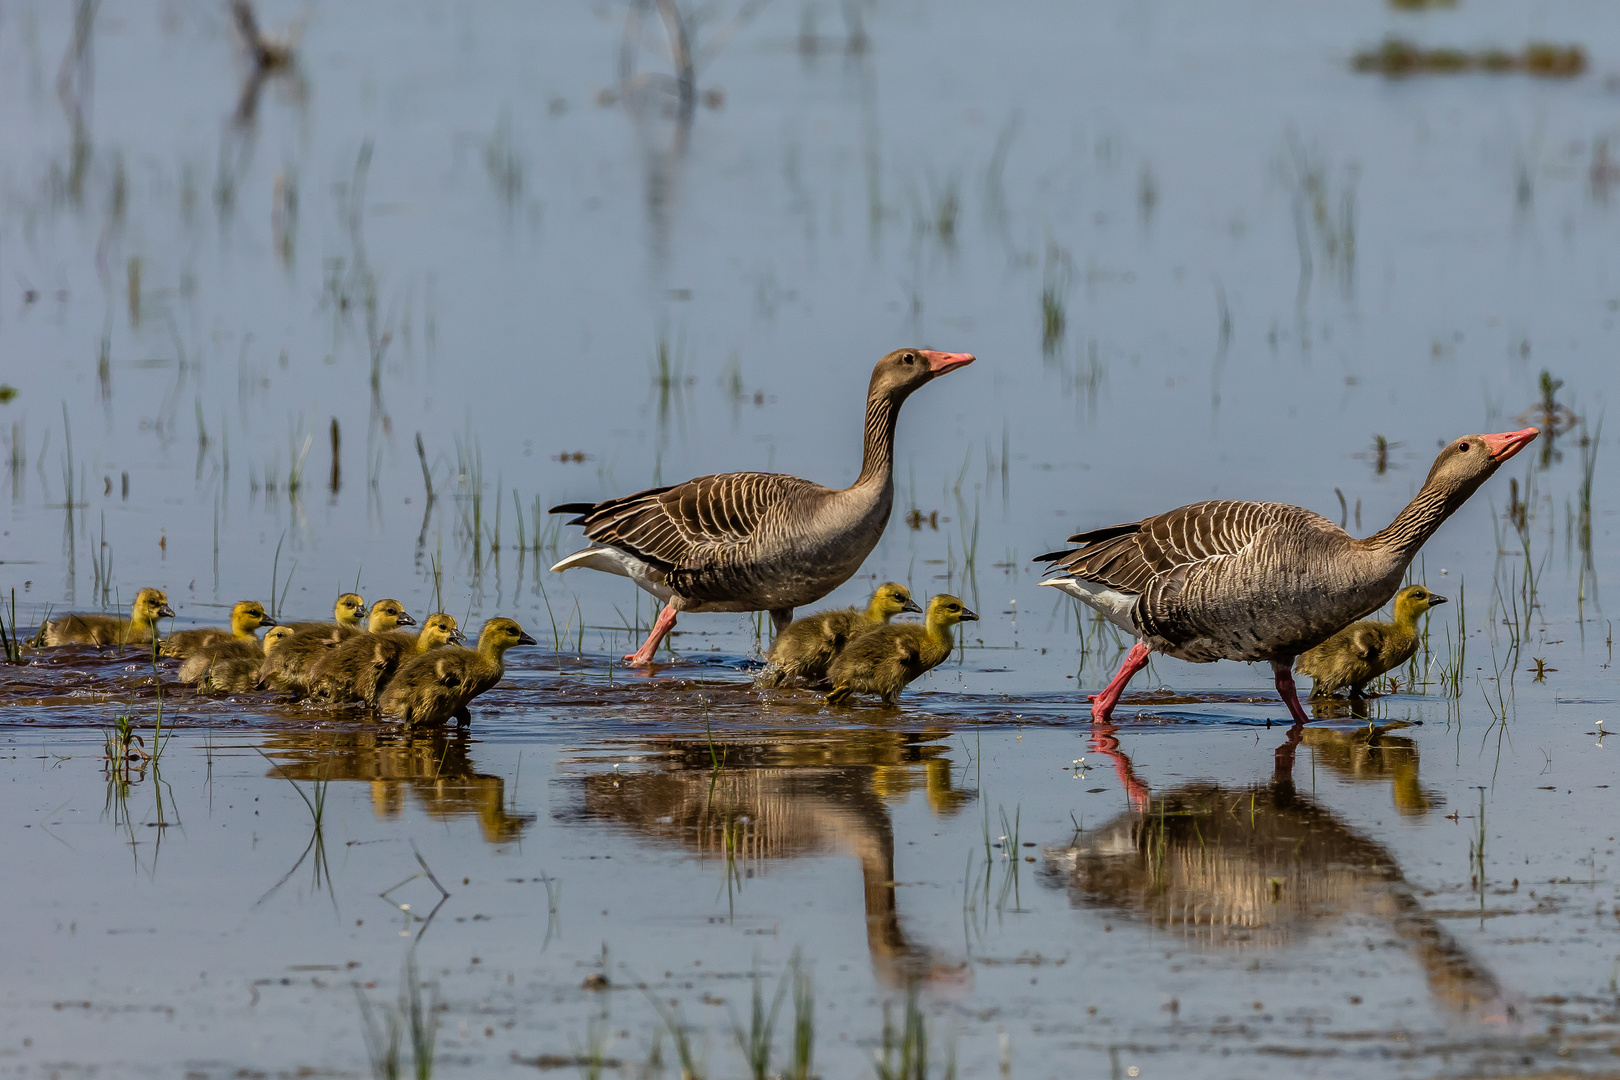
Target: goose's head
[[350, 609], [1468, 462], [498, 635], [150, 606], [903, 370], [947, 610], [891, 599], [276, 636], [1414, 600], [248, 616], [388, 615], [440, 629]]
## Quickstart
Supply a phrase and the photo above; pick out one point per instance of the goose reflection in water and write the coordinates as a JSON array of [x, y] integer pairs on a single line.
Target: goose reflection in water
[[787, 799], [434, 768], [1264, 865]]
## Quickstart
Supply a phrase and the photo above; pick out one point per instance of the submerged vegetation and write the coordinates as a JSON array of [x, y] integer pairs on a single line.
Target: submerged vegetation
[[1399, 58]]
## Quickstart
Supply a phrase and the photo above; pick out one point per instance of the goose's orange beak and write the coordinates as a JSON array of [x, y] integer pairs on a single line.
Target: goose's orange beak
[[1508, 443], [941, 362]]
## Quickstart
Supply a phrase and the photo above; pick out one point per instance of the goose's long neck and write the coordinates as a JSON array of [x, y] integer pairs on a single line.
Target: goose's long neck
[[1412, 527], [877, 458]]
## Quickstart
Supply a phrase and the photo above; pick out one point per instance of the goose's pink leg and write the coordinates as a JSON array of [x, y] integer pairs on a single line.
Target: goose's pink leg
[[1102, 705], [1284, 674], [643, 657]]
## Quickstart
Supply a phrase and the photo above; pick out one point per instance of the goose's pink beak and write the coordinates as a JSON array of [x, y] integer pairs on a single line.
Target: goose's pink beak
[[941, 362], [1508, 443]]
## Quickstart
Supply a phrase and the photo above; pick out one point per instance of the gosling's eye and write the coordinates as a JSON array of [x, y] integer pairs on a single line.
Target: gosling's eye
[[1462, 448]]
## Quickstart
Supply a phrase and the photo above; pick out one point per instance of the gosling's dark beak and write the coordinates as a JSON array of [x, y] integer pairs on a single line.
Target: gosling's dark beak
[[405, 619], [266, 620], [911, 606], [968, 616], [525, 639], [1435, 599], [457, 637], [165, 612]]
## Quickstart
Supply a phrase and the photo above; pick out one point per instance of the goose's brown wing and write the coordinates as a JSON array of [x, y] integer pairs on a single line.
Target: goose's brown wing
[[688, 526], [1129, 558]]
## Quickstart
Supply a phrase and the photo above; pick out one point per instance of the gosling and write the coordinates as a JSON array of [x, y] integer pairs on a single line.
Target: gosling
[[1362, 651], [349, 611], [805, 647], [139, 629], [884, 659], [293, 665], [359, 668], [247, 617], [232, 667], [430, 688]]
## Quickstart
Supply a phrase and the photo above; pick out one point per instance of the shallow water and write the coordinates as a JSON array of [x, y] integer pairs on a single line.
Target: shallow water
[[491, 226]]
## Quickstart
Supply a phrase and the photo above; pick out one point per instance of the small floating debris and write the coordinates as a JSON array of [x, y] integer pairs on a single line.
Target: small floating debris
[[1398, 58]]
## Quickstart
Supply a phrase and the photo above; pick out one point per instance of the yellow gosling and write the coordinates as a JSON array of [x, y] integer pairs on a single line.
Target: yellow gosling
[[359, 668], [293, 666], [430, 688], [805, 648], [1362, 651], [139, 629], [884, 659], [247, 618], [232, 667]]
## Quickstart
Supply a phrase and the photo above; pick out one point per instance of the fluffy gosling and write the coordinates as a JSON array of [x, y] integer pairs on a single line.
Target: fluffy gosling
[[805, 648], [292, 666], [349, 611], [1362, 651], [232, 667], [884, 659], [430, 688], [139, 629], [247, 618], [359, 668]]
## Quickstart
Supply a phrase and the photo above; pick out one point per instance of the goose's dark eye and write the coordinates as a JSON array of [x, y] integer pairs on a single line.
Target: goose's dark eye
[[910, 359], [1462, 448]]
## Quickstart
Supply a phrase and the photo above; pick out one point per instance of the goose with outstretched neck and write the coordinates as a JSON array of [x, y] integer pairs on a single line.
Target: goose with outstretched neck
[[1257, 581], [756, 541]]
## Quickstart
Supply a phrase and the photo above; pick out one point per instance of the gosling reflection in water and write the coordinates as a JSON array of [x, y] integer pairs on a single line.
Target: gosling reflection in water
[[435, 768], [1259, 866], [787, 800], [1372, 754]]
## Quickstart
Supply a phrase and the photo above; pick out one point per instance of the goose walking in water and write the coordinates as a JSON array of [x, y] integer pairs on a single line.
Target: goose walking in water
[[756, 541], [1257, 581]]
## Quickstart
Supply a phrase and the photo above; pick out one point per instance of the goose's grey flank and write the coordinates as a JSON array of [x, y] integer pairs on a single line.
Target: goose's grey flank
[[756, 541], [1234, 580]]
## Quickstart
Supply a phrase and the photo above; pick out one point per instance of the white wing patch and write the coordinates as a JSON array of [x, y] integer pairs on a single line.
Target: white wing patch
[[1117, 607]]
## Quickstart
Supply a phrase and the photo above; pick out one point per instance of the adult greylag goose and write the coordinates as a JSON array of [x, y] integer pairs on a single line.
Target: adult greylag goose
[[139, 629], [1251, 581], [756, 541]]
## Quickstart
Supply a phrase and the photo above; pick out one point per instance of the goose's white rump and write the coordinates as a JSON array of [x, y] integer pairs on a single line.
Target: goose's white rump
[[612, 560], [1117, 607]]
